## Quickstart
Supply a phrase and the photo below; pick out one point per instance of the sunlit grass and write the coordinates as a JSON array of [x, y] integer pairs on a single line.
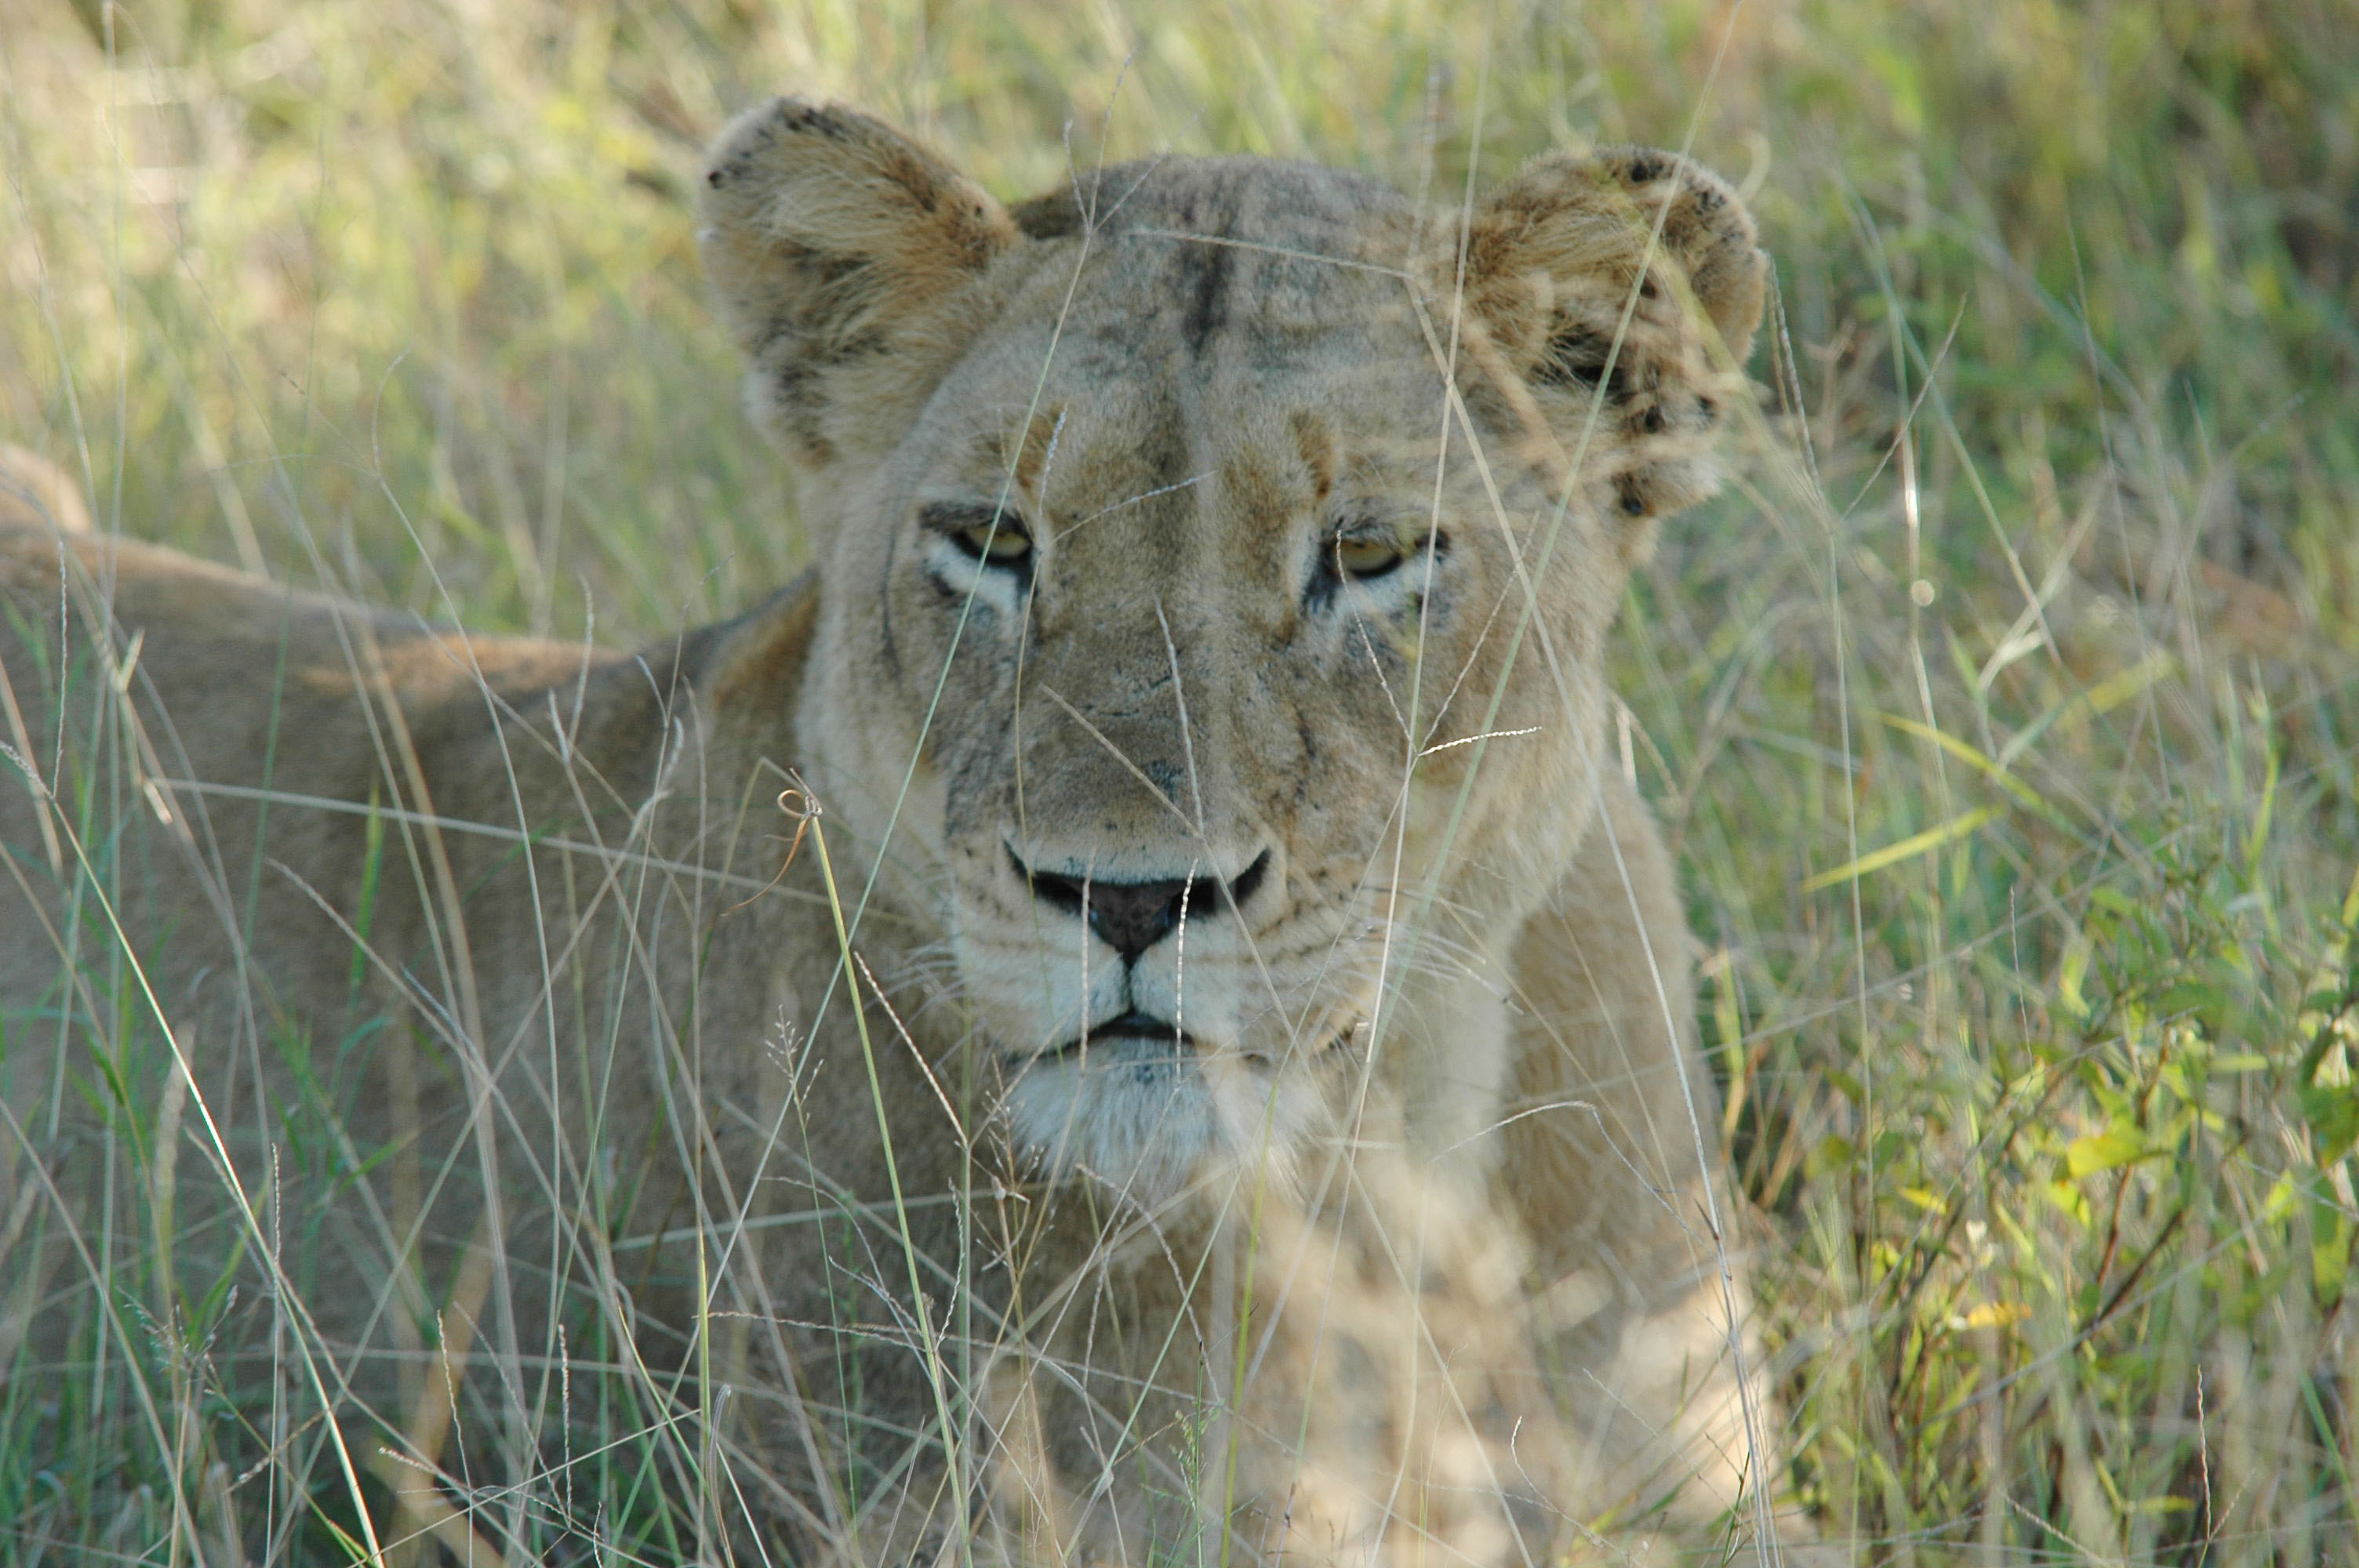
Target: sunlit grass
[[2001, 717]]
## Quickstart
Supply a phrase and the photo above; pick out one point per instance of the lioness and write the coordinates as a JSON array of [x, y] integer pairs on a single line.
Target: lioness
[[1131, 1009]]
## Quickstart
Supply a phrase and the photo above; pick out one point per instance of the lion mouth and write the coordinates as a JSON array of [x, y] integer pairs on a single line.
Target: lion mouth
[[1131, 1025], [1135, 1024]]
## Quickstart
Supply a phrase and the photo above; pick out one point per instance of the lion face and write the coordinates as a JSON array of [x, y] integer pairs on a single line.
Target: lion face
[[1217, 565]]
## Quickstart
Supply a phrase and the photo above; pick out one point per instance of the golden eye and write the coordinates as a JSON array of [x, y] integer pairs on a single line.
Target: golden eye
[[1365, 557], [996, 541]]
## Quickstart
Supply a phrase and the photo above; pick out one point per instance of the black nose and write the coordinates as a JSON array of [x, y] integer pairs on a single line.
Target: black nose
[[1133, 916]]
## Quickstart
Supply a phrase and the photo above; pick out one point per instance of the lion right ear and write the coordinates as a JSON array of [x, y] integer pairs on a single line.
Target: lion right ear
[[837, 248], [1625, 285]]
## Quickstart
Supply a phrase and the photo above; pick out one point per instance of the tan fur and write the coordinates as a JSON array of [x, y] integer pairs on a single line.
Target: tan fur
[[1416, 1234], [36, 491]]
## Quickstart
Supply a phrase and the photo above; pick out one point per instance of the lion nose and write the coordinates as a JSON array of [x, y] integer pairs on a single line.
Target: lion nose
[[1131, 917]]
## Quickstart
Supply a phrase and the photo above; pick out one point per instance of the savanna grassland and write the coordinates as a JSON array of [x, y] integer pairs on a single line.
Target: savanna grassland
[[2004, 714]]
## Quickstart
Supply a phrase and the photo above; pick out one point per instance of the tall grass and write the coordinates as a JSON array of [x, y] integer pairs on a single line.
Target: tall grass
[[2004, 717]]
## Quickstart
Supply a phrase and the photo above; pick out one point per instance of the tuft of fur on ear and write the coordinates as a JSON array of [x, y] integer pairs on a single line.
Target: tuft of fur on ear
[[836, 246], [1630, 276]]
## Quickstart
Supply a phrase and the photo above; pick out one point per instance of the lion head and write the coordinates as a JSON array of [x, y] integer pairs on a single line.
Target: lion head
[[1218, 558]]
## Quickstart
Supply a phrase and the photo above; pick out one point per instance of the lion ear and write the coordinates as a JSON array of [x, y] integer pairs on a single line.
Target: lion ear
[[836, 246], [1633, 274]]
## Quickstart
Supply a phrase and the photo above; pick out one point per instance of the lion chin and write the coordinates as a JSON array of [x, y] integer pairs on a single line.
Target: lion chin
[[1149, 1115], [1130, 1010]]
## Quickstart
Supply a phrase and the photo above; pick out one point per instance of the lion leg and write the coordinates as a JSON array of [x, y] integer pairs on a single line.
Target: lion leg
[[1612, 1159]]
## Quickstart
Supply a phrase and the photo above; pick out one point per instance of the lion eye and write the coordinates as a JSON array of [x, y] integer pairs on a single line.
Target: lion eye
[[996, 539], [1366, 558]]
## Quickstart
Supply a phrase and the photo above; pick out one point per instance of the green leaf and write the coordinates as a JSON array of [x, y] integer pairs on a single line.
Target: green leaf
[[2333, 1112], [2116, 1145], [2330, 1249], [1973, 758], [1925, 1198], [1908, 849]]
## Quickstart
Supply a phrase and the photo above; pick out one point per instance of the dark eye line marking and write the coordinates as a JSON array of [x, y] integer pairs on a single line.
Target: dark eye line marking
[[960, 522], [1433, 543], [1330, 574], [1386, 568]]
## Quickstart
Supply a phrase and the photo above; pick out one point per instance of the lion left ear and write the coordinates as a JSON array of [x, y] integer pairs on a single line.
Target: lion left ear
[[837, 248], [1632, 275]]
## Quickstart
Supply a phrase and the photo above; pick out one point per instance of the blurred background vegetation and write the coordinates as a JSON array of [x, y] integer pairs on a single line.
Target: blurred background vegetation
[[2003, 715]]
